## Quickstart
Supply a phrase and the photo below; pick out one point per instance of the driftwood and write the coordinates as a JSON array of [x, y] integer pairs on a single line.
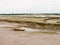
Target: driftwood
[[19, 29]]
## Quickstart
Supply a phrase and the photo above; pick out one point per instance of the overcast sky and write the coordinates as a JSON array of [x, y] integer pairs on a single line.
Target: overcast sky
[[29, 6]]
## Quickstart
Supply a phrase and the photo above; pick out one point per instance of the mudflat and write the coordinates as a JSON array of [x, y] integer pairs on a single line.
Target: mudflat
[[27, 38], [10, 37]]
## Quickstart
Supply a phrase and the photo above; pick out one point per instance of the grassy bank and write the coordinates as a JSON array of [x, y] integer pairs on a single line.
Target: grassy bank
[[32, 22]]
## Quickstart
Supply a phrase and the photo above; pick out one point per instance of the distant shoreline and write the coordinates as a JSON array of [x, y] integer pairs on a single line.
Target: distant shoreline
[[30, 14]]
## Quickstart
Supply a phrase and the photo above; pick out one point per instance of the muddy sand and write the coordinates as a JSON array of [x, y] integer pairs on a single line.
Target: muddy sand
[[9, 37]]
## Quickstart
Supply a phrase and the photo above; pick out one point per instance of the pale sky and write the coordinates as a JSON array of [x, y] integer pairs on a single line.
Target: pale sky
[[29, 6]]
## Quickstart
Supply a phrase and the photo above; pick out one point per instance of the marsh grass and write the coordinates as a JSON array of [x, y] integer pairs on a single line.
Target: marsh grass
[[32, 22]]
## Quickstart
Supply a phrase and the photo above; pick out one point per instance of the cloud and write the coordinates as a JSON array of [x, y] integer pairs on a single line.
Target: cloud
[[29, 6]]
